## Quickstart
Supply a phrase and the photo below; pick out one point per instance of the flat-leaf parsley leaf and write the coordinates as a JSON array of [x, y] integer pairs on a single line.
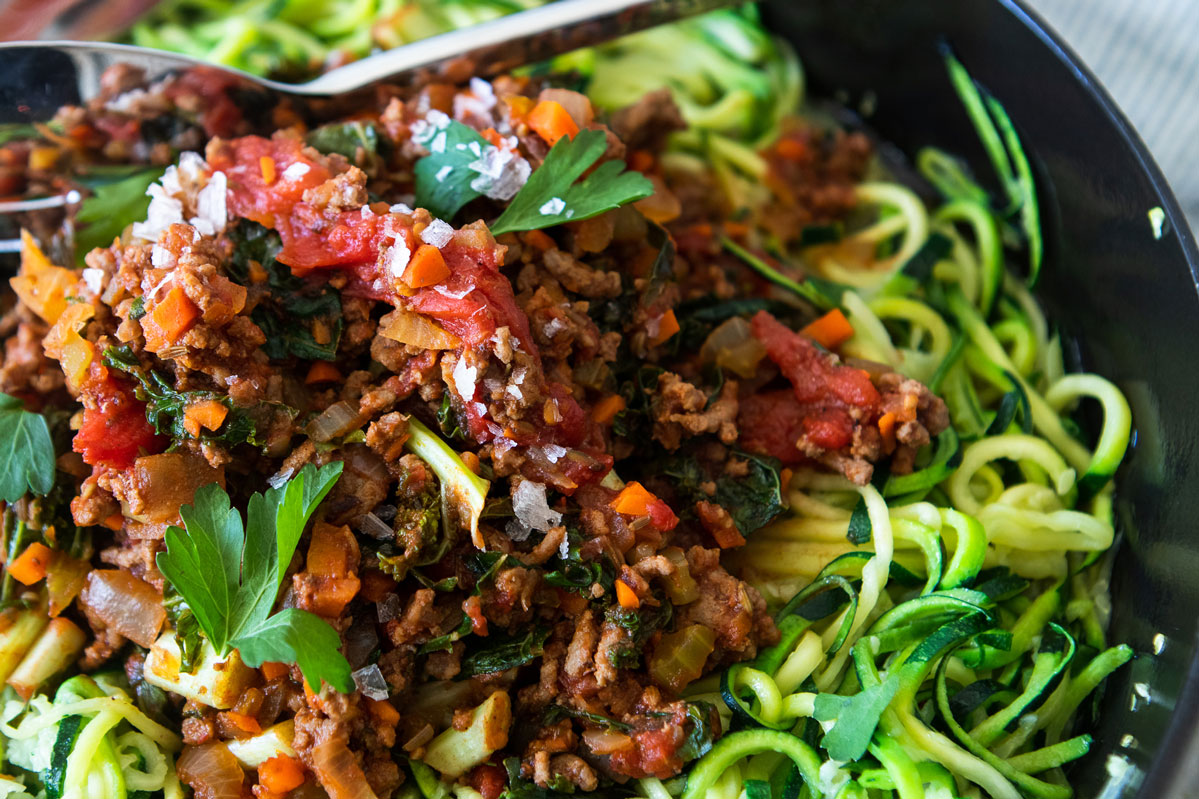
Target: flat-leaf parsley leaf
[[230, 576], [26, 451], [552, 197]]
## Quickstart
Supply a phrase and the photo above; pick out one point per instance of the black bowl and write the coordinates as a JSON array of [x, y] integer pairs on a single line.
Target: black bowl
[[1126, 299]]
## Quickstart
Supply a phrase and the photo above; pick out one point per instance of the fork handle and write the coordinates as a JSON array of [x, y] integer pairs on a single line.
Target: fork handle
[[500, 45]]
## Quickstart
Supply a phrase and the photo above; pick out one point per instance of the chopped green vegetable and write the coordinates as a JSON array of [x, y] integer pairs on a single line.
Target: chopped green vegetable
[[552, 197], [165, 407], [26, 451], [444, 178], [229, 576], [345, 138], [294, 309], [505, 652], [118, 198]]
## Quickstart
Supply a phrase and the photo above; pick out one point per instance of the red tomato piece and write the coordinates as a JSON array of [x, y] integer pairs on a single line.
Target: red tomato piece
[[116, 433]]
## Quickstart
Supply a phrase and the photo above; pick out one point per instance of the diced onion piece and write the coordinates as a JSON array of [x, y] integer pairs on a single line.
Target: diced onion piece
[[212, 771], [64, 580], [732, 346], [411, 328], [575, 103], [124, 603], [335, 421], [606, 742], [338, 771]]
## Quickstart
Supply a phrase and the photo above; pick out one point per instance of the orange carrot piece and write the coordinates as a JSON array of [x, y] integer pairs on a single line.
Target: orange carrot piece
[[267, 165], [322, 372], [633, 500], [606, 409], [281, 774], [539, 239], [243, 722], [175, 315], [376, 585], [791, 149], [626, 596], [30, 565], [206, 415], [331, 550], [830, 331], [115, 522], [271, 670], [668, 325], [728, 537], [426, 267], [551, 121], [472, 461], [736, 230], [383, 712], [886, 426], [641, 160]]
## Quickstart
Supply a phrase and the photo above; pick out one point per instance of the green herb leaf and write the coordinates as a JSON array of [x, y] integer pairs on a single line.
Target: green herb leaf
[[165, 407], [115, 202], [229, 576], [700, 732], [860, 528], [855, 717], [753, 499], [345, 138], [26, 451], [297, 636], [290, 312], [551, 196], [444, 177], [503, 653]]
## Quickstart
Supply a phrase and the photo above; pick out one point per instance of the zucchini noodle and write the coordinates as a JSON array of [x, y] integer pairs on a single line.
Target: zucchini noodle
[[957, 612]]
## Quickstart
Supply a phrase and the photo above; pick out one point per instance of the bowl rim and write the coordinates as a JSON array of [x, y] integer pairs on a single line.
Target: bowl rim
[[1173, 771]]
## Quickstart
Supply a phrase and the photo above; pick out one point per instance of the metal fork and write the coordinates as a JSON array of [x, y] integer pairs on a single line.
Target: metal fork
[[41, 77]]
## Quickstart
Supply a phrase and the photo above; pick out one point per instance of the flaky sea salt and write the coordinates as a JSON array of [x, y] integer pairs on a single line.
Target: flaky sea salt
[[502, 173], [554, 452], [397, 256], [371, 683], [94, 278], [296, 171], [464, 379], [438, 233], [553, 206], [210, 205], [530, 506]]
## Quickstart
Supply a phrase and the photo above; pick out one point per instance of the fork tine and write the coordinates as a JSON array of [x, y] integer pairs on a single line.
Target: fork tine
[[40, 204]]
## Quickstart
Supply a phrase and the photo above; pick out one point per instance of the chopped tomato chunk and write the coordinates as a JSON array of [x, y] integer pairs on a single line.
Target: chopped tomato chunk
[[116, 433]]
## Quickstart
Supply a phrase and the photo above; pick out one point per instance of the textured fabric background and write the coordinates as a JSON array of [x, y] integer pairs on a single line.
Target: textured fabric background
[[1146, 52]]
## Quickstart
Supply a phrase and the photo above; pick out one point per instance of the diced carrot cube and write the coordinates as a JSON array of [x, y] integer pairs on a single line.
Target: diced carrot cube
[[426, 267], [30, 566], [668, 325], [281, 774], [322, 372], [830, 331], [633, 500], [606, 409], [626, 596], [551, 121], [172, 317]]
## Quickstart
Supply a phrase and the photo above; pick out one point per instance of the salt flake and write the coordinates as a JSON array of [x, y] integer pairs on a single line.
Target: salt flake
[[438, 233], [553, 207], [296, 171], [530, 506]]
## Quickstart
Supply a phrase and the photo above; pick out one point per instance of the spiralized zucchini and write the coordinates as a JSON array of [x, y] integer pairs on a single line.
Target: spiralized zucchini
[[946, 653]]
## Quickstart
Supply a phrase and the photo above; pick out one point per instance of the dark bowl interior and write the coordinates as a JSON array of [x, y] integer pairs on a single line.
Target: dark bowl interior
[[1125, 298]]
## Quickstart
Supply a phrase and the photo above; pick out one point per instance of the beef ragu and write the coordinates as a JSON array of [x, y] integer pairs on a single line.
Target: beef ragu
[[472, 437]]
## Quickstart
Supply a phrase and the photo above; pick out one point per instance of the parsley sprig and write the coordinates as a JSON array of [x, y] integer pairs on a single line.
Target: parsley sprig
[[230, 576], [551, 196], [26, 451]]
